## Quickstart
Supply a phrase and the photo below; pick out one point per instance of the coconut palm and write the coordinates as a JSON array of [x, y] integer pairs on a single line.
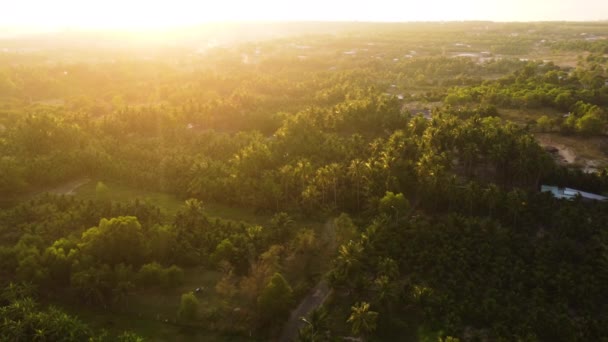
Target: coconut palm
[[363, 320]]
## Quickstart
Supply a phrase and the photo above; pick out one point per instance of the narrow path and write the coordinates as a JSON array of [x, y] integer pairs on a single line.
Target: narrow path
[[315, 298], [317, 295]]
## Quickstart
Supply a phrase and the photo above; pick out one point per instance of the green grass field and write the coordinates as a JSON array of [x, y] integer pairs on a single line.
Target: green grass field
[[120, 193], [169, 203], [152, 313]]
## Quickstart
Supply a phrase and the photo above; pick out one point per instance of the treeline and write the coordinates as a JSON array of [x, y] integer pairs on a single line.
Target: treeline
[[336, 158]]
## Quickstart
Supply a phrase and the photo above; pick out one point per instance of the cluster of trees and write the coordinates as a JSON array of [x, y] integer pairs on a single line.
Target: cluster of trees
[[498, 271], [585, 119], [46, 242], [579, 94], [593, 45]]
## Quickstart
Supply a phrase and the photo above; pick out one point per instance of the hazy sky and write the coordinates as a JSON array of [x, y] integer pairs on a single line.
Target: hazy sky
[[163, 13]]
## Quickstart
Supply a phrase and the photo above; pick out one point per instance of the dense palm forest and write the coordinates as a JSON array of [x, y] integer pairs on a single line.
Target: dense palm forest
[[197, 191]]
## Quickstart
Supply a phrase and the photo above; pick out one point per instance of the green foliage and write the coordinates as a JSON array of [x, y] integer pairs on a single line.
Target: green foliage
[[114, 241], [150, 275], [225, 251], [316, 327], [155, 275], [22, 319], [11, 176], [174, 276], [362, 319], [345, 229], [590, 124], [544, 123], [132, 337], [280, 229], [102, 192], [394, 205], [275, 301], [189, 307], [347, 265], [94, 285]]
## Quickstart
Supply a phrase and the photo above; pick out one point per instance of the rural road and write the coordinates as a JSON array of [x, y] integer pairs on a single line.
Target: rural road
[[317, 295], [315, 298]]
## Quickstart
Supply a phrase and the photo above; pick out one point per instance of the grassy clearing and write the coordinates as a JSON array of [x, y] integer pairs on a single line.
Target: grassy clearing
[[164, 304], [153, 313], [589, 151], [524, 116], [561, 58], [170, 204], [119, 193]]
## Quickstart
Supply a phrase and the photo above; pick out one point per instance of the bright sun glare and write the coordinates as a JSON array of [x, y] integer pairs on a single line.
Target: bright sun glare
[[138, 14]]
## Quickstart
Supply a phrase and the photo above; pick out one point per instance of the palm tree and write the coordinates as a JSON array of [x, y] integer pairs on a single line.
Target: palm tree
[[363, 320], [356, 171], [491, 197], [386, 292], [349, 256], [316, 328]]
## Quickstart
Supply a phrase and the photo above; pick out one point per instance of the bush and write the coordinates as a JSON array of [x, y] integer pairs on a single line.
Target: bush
[[188, 309], [174, 276], [151, 274]]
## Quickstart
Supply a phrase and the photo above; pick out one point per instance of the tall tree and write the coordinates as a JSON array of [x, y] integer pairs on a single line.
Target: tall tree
[[362, 320]]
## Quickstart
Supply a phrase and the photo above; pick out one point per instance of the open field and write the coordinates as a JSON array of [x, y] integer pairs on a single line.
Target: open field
[[526, 116], [168, 203], [561, 58], [119, 193], [587, 153], [152, 313]]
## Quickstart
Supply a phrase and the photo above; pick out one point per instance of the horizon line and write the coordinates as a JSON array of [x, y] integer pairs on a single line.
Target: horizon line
[[76, 28]]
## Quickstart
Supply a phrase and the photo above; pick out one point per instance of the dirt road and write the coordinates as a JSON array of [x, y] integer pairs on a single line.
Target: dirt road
[[315, 298], [317, 295]]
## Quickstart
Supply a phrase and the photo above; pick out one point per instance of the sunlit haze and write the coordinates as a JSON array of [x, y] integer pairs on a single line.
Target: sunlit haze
[[139, 14]]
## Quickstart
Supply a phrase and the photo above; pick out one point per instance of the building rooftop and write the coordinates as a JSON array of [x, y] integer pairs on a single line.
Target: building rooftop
[[569, 193]]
